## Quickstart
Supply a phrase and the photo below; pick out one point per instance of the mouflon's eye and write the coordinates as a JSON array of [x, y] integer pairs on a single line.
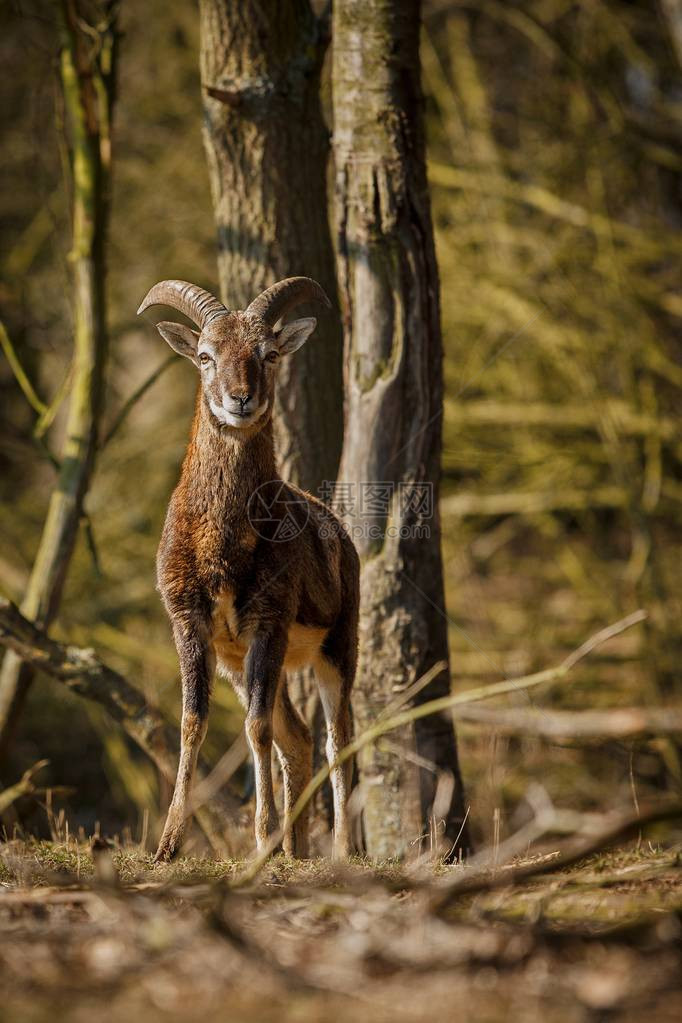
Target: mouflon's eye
[[271, 357], [204, 359]]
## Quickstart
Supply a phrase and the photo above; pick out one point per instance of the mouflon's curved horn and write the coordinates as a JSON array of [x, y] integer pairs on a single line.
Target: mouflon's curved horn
[[196, 303], [276, 301]]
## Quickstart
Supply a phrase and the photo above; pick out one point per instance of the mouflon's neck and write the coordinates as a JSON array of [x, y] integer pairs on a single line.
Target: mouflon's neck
[[225, 466]]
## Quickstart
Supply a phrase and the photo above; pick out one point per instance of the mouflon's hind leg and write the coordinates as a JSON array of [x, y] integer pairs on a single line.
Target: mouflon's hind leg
[[261, 675], [294, 746], [335, 671], [197, 664], [335, 697]]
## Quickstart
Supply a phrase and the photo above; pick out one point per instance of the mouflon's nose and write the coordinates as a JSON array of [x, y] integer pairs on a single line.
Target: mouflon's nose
[[242, 398]]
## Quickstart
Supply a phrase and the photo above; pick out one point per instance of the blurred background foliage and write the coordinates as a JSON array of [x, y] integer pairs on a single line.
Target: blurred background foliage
[[555, 166]]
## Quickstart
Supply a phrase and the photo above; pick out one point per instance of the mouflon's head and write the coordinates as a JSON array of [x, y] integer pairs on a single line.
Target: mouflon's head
[[236, 352]]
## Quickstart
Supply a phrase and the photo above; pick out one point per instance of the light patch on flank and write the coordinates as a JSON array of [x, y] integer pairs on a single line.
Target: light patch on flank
[[304, 642]]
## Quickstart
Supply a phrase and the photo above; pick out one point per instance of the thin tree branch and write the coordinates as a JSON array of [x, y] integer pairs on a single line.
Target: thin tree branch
[[543, 200], [47, 418], [139, 393], [20, 373], [24, 787]]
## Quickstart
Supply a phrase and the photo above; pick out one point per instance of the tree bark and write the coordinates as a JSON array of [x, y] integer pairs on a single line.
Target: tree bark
[[267, 147], [87, 77], [388, 285]]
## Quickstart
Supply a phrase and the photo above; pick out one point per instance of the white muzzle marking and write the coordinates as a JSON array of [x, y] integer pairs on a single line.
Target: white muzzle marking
[[238, 422]]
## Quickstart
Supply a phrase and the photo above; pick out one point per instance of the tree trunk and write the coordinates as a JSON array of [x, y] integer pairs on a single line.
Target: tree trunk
[[267, 148], [87, 77], [268, 152], [388, 286]]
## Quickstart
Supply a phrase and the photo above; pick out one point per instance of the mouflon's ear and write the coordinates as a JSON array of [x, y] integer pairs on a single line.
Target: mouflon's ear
[[295, 334], [181, 338]]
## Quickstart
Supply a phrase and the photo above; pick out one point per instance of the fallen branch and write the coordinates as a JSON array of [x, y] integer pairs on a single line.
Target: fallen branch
[[655, 926], [618, 828], [616, 723], [84, 673]]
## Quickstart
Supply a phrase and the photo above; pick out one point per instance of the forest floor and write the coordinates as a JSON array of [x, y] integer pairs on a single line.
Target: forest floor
[[121, 939]]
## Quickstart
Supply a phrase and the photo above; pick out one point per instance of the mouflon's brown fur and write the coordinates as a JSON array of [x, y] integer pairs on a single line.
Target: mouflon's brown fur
[[257, 576]]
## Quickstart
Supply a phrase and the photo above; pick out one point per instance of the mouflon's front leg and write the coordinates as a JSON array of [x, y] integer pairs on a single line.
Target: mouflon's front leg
[[261, 674], [197, 664]]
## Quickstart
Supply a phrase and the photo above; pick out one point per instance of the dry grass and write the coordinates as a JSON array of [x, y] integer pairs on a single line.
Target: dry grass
[[311, 941]]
